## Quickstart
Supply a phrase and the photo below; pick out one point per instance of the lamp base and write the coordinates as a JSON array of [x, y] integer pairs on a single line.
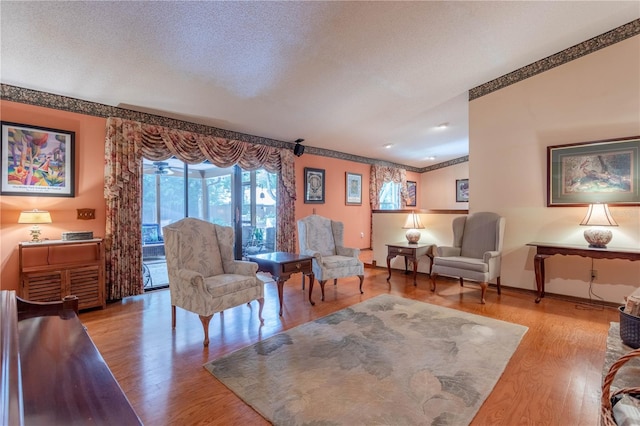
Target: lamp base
[[598, 237], [35, 234], [413, 236]]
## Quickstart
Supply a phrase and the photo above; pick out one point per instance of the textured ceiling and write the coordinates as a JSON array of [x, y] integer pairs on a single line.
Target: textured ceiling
[[345, 76]]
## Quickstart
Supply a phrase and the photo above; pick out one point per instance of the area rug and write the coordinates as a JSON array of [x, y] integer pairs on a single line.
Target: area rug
[[385, 361]]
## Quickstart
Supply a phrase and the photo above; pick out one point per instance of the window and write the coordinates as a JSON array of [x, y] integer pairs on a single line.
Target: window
[[390, 196]]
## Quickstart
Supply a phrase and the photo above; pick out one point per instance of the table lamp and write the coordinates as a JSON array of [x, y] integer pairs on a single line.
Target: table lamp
[[598, 216], [412, 225], [35, 217]]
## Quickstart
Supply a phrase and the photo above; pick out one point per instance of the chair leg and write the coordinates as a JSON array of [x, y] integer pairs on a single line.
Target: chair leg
[[498, 285], [173, 316], [205, 324], [361, 280], [335, 281], [461, 282], [322, 289], [261, 303], [483, 286], [433, 277]]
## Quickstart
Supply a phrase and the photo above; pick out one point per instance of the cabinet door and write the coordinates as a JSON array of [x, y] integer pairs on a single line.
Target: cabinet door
[[85, 283], [46, 286]]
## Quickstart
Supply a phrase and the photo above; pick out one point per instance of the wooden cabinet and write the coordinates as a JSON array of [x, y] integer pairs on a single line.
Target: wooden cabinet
[[52, 269]]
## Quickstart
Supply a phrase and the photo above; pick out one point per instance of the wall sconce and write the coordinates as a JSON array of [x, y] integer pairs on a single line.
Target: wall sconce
[[412, 225], [598, 216], [35, 217]]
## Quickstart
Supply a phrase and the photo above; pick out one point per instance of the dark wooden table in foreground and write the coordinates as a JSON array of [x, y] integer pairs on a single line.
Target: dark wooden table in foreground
[[281, 265], [544, 250]]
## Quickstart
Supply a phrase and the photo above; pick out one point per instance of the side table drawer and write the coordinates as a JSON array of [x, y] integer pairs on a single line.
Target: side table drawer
[[398, 251], [299, 266]]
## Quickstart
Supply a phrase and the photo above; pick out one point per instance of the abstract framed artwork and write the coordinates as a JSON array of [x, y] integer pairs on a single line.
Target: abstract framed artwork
[[604, 171], [313, 186], [37, 161], [462, 190], [411, 193], [353, 189]]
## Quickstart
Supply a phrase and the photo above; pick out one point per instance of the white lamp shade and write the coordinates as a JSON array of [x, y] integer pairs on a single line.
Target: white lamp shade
[[598, 215], [413, 222], [35, 216]]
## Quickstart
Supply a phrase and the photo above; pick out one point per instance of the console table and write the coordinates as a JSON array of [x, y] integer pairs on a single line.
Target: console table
[[411, 252], [544, 250]]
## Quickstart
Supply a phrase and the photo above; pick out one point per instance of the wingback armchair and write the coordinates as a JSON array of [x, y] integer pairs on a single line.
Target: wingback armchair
[[476, 252], [322, 239], [204, 277]]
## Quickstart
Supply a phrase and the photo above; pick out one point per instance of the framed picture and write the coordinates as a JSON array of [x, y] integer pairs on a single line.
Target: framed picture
[[601, 171], [354, 189], [313, 186], [411, 192], [36, 161], [462, 190]]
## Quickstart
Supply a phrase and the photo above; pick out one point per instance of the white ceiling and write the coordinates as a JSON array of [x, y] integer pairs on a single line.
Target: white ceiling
[[345, 76]]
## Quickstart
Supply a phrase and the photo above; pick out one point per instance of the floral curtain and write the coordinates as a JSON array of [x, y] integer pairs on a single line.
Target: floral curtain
[[380, 175], [127, 142]]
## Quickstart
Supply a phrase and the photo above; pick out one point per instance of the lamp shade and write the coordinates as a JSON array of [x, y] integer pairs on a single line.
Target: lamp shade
[[412, 225], [598, 215], [35, 216]]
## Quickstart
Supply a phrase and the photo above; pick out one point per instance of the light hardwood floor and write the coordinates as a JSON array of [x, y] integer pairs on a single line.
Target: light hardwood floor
[[552, 379]]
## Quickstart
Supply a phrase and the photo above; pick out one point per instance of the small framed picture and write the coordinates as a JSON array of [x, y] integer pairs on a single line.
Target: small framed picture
[[411, 193], [462, 190], [313, 186], [354, 189], [36, 161]]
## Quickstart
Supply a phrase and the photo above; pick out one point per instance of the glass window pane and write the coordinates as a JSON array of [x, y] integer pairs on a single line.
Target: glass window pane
[[390, 196]]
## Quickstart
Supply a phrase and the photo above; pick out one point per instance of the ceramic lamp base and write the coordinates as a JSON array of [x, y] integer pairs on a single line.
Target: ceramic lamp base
[[413, 236], [598, 237]]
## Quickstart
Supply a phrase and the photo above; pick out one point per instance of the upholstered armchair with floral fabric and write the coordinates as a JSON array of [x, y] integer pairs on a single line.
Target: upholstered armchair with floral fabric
[[476, 253], [204, 277], [323, 238]]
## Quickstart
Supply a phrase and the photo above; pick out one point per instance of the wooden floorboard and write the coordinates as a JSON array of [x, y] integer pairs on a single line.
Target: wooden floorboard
[[553, 377]]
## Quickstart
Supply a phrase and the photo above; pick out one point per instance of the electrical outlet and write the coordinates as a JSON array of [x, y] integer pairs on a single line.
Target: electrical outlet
[[362, 235], [594, 274]]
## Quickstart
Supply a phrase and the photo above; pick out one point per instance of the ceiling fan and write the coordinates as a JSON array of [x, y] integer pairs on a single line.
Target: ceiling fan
[[159, 168]]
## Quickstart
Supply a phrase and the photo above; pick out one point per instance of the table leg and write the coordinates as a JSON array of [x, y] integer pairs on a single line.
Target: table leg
[[430, 256], [415, 270], [389, 257], [538, 263], [280, 291], [311, 279], [406, 265]]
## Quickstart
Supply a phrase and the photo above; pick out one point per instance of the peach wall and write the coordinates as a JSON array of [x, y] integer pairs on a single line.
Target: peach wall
[[356, 219], [592, 98], [89, 168], [439, 188]]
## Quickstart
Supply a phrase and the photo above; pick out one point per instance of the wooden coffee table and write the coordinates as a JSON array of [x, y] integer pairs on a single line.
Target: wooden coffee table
[[281, 265]]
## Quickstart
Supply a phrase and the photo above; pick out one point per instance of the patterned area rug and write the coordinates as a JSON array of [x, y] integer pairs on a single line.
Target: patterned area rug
[[385, 361]]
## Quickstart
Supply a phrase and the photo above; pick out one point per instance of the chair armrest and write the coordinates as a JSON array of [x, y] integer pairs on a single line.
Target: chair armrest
[[347, 251], [488, 255], [446, 251], [187, 276], [312, 253], [241, 267]]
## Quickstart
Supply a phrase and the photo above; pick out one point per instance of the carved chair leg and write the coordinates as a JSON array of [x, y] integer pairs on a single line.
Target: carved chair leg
[[335, 281], [433, 276], [483, 286], [361, 280], [461, 282], [261, 303], [205, 324], [498, 284], [173, 316], [322, 289]]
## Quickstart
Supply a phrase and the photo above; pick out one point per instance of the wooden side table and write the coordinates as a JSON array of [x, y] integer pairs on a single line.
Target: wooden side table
[[411, 252], [281, 265]]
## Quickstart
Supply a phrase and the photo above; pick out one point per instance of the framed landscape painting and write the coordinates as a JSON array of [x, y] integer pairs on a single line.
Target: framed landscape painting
[[36, 161], [594, 172], [313, 186], [353, 189]]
